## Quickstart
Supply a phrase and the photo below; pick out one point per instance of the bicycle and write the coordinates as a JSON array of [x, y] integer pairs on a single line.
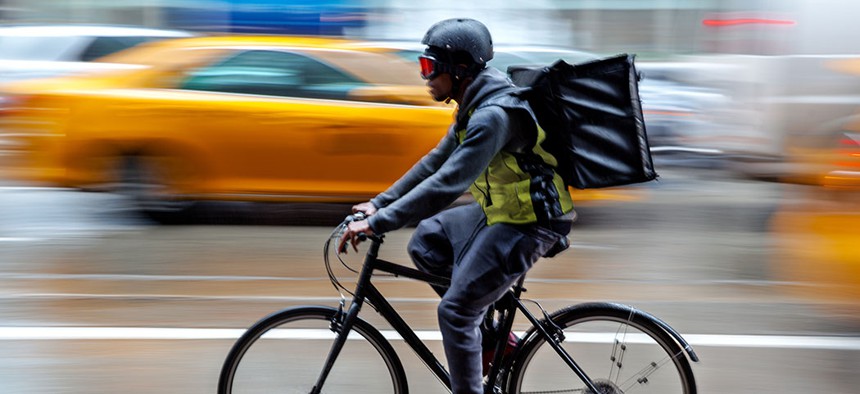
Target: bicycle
[[596, 347]]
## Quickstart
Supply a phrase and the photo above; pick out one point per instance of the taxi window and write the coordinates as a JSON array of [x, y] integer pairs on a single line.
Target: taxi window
[[273, 73]]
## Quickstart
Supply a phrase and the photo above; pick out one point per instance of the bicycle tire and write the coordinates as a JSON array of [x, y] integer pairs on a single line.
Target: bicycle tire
[[621, 349], [295, 349]]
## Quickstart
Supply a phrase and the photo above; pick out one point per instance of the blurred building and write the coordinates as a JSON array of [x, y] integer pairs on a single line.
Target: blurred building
[[243, 16], [647, 27]]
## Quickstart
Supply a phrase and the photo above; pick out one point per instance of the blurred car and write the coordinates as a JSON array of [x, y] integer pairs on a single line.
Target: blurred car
[[827, 155], [38, 51], [242, 118], [799, 107]]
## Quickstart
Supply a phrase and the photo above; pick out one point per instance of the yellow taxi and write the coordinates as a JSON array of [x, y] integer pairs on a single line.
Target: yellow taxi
[[236, 118]]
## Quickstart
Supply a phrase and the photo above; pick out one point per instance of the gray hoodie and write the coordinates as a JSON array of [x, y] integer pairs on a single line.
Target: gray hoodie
[[444, 174]]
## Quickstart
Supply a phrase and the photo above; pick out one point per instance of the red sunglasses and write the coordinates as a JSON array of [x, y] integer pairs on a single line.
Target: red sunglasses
[[430, 68]]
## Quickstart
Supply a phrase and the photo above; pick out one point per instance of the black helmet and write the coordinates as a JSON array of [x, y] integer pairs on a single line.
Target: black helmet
[[461, 35]]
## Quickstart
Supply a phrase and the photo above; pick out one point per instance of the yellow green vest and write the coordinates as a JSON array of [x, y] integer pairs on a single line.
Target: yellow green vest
[[504, 189]]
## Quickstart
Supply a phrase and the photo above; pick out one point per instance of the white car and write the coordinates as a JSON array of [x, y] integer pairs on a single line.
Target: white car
[[39, 51]]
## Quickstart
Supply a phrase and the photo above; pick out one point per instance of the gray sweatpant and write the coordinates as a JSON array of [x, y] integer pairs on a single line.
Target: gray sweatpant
[[482, 262]]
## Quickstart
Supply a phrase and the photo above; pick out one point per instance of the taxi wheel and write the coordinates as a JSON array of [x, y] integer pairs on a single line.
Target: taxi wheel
[[146, 182]]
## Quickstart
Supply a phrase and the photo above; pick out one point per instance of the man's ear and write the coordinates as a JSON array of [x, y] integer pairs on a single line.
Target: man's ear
[[460, 71]]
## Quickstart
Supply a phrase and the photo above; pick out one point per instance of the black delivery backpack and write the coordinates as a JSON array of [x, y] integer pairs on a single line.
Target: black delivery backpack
[[593, 119]]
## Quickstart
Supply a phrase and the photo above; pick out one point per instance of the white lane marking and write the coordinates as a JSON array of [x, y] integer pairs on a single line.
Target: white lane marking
[[239, 278], [575, 246], [304, 299], [156, 333], [33, 188], [139, 277], [659, 149], [777, 341], [137, 333], [20, 239]]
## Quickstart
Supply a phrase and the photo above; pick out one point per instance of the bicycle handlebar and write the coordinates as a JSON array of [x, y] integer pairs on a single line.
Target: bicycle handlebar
[[357, 217]]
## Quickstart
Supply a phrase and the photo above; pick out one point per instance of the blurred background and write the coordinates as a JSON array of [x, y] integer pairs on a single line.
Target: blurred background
[[178, 165]]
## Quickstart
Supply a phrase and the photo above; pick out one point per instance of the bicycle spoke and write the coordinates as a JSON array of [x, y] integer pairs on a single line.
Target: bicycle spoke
[[619, 349], [617, 360], [641, 377]]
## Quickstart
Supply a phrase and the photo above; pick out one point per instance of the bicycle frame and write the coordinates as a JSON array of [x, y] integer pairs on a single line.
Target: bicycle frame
[[365, 291]]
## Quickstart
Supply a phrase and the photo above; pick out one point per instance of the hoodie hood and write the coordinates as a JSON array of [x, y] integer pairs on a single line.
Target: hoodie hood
[[489, 82]]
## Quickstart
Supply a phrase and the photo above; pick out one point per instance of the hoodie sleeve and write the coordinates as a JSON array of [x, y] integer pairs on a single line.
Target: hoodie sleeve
[[424, 168], [487, 132]]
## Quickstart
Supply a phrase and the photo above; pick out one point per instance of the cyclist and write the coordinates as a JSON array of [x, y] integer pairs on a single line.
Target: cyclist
[[522, 209]]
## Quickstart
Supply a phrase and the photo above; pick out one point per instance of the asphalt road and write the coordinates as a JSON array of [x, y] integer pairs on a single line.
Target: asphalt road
[[94, 299]]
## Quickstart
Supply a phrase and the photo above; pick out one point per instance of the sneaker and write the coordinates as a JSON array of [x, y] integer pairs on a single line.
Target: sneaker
[[490, 351]]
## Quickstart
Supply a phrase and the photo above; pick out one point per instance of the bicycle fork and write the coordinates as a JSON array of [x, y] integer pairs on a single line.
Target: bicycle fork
[[342, 325]]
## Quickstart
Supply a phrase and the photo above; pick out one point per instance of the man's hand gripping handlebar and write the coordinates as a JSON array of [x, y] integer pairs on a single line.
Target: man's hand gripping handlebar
[[356, 230]]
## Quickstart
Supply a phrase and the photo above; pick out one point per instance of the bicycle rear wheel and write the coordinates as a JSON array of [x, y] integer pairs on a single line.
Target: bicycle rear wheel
[[285, 352], [620, 350]]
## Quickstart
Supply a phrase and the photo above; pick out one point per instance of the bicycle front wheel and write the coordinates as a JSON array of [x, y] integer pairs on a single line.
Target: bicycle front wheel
[[285, 353], [619, 349]]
